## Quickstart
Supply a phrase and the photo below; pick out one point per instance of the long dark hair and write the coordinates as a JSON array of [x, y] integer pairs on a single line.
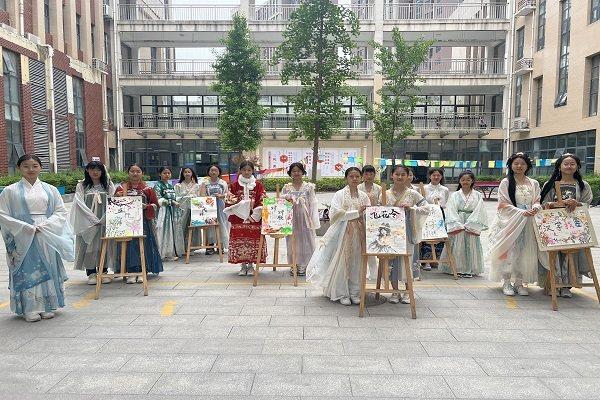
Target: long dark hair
[[194, 176], [400, 166], [87, 179], [347, 172], [512, 184], [26, 157], [246, 163], [296, 165], [557, 176], [466, 173], [439, 170]]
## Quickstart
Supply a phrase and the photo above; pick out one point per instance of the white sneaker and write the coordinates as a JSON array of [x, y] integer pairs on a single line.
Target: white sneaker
[[106, 280], [427, 267], [345, 301], [404, 299], [32, 317], [47, 315], [566, 293], [139, 279], [394, 298], [243, 270], [250, 270], [130, 279], [508, 289], [520, 290], [92, 279], [355, 299]]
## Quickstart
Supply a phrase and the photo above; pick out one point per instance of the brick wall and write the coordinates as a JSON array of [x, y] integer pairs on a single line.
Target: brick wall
[[3, 153], [4, 17], [27, 118], [17, 49], [28, 16], [94, 135]]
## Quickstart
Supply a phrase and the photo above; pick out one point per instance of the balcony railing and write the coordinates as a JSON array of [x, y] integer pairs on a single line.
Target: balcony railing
[[283, 12], [525, 7], [455, 121], [523, 66], [455, 66], [142, 12], [444, 11], [178, 67]]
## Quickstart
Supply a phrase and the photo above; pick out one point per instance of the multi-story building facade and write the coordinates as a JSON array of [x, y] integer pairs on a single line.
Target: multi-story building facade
[[56, 82], [556, 65]]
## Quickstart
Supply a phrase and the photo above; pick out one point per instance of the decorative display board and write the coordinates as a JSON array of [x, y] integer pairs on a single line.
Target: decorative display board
[[385, 230], [277, 216], [432, 225], [203, 211], [124, 217], [332, 162], [558, 229]]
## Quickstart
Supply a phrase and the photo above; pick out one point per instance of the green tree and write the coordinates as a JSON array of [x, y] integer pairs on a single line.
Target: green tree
[[399, 93], [239, 72], [317, 50]]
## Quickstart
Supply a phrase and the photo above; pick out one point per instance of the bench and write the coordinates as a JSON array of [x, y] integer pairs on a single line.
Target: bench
[[487, 188]]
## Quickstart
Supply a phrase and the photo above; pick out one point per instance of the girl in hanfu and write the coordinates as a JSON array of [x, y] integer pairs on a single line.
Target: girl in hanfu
[[217, 187], [87, 218], [335, 264], [169, 236], [465, 220], [306, 216], [435, 193], [416, 267], [402, 195], [575, 192], [372, 190], [513, 246], [38, 238], [244, 211], [185, 190], [135, 186]]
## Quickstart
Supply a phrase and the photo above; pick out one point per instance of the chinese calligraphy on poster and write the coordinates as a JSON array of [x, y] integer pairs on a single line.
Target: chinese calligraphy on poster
[[204, 211], [385, 229], [277, 216], [559, 229], [332, 162], [124, 217]]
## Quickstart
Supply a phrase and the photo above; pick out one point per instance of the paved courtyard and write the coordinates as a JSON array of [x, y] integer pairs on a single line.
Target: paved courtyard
[[205, 333]]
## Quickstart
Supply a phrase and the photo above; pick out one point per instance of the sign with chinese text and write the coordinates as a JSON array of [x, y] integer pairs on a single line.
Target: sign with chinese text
[[558, 229], [277, 216], [385, 230]]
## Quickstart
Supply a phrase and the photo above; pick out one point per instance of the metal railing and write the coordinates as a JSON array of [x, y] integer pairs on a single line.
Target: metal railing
[[524, 64], [525, 3], [444, 11], [143, 12], [283, 12], [456, 121], [178, 67], [458, 66]]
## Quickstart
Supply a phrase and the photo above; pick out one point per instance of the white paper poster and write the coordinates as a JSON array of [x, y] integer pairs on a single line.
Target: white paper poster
[[124, 217], [385, 230], [332, 162], [203, 210]]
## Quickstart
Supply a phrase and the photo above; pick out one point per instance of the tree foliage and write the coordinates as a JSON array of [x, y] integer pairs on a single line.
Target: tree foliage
[[318, 50], [399, 93], [239, 73]]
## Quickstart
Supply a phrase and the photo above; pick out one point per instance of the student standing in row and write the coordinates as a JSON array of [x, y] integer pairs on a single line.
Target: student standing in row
[[513, 246], [217, 187], [575, 192], [435, 193], [335, 265], [244, 211], [185, 190], [372, 190], [38, 238], [465, 219], [306, 216], [135, 186], [87, 218], [169, 235]]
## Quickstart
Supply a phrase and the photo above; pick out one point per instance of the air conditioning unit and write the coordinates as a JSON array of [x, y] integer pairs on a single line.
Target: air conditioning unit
[[32, 38], [8, 28], [525, 7], [100, 65], [520, 125], [107, 11]]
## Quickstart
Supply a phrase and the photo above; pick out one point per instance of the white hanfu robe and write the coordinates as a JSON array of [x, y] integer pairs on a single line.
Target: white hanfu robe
[[437, 192], [374, 195], [335, 264], [513, 246], [211, 188], [305, 222], [465, 214], [184, 192], [37, 237]]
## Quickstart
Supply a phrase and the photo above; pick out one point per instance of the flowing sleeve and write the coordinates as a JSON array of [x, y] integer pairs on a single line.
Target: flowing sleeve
[[259, 195], [337, 211], [152, 205], [55, 231], [314, 207], [586, 194], [536, 194], [81, 218], [17, 234], [453, 222], [504, 201], [158, 190], [477, 221], [549, 197]]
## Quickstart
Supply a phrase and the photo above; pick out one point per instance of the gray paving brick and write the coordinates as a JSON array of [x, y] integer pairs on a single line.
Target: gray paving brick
[[304, 385], [104, 331], [239, 320], [303, 320], [19, 361], [525, 367], [444, 366], [106, 383], [267, 332], [207, 384], [258, 363], [62, 345], [317, 364], [499, 388], [278, 346], [473, 349], [574, 388], [376, 347], [82, 362], [15, 383], [170, 363], [191, 331], [393, 386]]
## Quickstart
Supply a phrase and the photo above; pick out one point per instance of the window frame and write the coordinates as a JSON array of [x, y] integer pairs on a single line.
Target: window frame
[[539, 89], [563, 64], [594, 11], [12, 108], [594, 87], [541, 26], [518, 96], [520, 43], [79, 113]]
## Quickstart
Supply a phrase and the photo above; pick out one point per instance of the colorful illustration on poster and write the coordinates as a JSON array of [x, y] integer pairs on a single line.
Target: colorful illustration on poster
[[559, 229], [432, 225], [204, 211], [124, 217], [332, 162], [385, 230], [277, 216]]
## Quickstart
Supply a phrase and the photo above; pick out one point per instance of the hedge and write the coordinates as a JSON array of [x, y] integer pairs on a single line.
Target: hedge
[[323, 184]]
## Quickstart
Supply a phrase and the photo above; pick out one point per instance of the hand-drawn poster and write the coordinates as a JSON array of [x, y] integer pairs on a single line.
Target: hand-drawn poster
[[277, 216], [124, 217], [204, 211], [568, 191], [558, 229], [432, 225], [385, 229]]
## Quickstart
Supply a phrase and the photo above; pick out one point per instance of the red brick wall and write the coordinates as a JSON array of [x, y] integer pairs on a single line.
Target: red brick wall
[[17, 49], [3, 153], [94, 135], [28, 16], [4, 17], [27, 118]]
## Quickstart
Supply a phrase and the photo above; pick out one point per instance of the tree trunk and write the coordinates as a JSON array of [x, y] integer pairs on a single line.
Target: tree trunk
[[315, 159]]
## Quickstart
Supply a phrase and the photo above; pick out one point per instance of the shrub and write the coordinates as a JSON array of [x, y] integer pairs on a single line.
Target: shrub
[[323, 184]]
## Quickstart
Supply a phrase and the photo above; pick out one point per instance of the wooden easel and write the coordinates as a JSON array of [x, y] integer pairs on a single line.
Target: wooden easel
[[276, 264], [203, 241], [383, 270], [434, 242], [553, 256], [123, 273]]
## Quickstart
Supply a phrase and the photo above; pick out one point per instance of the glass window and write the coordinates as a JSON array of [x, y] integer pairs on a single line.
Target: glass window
[[109, 104], [79, 121], [541, 25], [595, 11], [2, 4], [46, 15], [563, 67], [520, 42], [107, 57], [12, 109], [538, 102], [78, 30], [594, 80], [518, 92]]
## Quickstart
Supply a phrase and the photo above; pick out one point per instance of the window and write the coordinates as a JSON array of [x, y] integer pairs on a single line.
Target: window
[[2, 4], [563, 67], [107, 48], [109, 104], [518, 92], [47, 16], [520, 43], [93, 42], [595, 11], [541, 25], [78, 31], [594, 83], [538, 102], [79, 121], [12, 109]]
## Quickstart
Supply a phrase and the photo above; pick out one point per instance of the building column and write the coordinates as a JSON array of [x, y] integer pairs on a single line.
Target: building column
[[378, 15], [56, 20], [39, 24]]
